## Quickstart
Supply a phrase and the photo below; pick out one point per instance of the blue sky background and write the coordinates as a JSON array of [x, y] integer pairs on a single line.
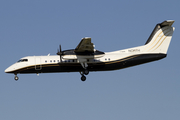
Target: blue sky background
[[36, 27]]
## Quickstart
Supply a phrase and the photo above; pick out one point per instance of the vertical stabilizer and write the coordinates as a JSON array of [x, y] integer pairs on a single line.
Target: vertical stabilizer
[[160, 38]]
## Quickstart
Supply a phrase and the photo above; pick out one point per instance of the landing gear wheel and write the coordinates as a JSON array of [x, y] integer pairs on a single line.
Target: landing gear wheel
[[86, 71], [83, 78], [16, 78]]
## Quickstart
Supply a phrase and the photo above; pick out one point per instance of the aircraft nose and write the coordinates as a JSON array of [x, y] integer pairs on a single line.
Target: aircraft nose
[[9, 70]]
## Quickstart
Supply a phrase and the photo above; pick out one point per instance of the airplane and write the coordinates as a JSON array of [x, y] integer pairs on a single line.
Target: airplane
[[85, 58]]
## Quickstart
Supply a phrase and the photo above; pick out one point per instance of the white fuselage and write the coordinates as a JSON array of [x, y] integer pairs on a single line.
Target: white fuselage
[[40, 61]]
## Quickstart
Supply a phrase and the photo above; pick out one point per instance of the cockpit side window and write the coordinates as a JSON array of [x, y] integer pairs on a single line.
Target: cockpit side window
[[23, 60]]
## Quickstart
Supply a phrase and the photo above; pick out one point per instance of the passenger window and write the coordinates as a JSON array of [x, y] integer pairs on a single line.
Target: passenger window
[[50, 60], [54, 60]]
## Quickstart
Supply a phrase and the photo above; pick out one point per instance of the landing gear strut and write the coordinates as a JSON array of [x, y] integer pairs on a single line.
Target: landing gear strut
[[16, 77]]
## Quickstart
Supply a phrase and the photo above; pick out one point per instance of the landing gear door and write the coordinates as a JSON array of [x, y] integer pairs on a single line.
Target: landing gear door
[[38, 65]]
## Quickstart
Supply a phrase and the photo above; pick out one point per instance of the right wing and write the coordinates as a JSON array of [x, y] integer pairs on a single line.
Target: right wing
[[85, 46]]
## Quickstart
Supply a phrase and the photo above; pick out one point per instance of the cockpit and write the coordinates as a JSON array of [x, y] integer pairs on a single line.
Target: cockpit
[[22, 60]]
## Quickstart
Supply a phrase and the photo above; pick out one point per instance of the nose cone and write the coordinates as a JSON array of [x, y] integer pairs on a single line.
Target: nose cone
[[10, 69]]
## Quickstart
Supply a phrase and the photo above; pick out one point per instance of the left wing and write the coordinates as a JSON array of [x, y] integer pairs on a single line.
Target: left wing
[[85, 46]]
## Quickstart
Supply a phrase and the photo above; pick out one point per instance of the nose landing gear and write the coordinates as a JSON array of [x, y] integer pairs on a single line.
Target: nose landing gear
[[16, 77]]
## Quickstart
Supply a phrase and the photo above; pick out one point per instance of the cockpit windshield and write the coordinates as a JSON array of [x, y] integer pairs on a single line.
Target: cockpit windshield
[[23, 60]]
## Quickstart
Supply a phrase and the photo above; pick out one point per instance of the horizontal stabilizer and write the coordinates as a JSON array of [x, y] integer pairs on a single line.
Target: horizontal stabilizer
[[167, 23]]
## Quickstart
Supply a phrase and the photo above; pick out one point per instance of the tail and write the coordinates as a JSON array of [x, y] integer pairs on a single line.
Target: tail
[[160, 38]]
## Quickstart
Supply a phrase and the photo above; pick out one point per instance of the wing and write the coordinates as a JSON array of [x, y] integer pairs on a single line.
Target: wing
[[85, 46]]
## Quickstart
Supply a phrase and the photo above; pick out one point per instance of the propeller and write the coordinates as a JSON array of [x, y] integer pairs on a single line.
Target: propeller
[[60, 53]]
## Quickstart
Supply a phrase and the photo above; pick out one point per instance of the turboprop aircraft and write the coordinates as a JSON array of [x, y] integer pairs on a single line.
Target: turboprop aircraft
[[84, 58]]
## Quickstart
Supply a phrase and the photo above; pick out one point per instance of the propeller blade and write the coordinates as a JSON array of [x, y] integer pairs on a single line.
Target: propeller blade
[[60, 53], [60, 48], [57, 51], [60, 58]]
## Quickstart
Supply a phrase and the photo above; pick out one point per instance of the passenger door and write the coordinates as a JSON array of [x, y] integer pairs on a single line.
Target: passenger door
[[38, 65]]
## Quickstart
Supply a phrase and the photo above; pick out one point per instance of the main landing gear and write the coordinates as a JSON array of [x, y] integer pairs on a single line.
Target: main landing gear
[[85, 72], [16, 77], [83, 78]]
